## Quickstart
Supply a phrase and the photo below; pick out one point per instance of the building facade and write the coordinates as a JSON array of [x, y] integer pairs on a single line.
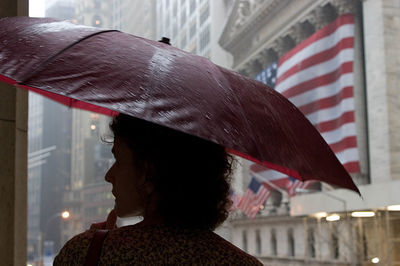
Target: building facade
[[289, 231], [187, 23]]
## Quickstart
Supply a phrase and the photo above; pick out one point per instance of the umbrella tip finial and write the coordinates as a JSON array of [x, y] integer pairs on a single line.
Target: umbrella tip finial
[[165, 40]]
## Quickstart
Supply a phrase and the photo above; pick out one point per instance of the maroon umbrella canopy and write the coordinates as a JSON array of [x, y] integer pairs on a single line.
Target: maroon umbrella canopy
[[111, 72]]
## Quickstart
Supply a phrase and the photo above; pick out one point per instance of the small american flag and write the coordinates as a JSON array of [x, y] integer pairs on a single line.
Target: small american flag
[[235, 198], [295, 184], [253, 199]]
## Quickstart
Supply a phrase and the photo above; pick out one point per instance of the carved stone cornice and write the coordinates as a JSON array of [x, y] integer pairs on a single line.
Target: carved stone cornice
[[253, 67], [344, 6], [243, 16], [272, 24], [267, 57], [317, 18]]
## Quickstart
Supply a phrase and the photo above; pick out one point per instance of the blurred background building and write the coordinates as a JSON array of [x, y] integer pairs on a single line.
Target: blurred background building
[[194, 26]]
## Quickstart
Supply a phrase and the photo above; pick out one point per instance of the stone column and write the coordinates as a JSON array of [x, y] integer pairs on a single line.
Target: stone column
[[321, 16], [13, 167], [253, 68], [267, 57], [382, 68]]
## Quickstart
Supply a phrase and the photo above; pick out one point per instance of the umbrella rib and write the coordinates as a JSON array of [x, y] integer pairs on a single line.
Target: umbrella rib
[[45, 62]]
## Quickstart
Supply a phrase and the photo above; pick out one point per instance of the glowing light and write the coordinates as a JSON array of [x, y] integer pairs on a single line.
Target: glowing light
[[375, 260], [65, 214], [333, 217], [363, 214], [320, 215], [97, 22], [92, 127], [393, 208]]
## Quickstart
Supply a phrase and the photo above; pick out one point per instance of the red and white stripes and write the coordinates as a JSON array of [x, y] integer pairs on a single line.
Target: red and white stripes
[[317, 76]]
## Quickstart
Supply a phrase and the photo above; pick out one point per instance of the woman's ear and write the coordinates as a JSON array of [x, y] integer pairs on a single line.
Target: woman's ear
[[148, 184], [149, 187]]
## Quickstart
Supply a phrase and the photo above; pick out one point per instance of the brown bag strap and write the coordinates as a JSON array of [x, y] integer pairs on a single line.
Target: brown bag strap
[[93, 255]]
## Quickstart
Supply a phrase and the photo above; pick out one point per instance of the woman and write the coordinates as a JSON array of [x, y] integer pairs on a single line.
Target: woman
[[180, 185]]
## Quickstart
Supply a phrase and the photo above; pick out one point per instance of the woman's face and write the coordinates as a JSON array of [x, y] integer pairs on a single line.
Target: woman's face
[[126, 180]]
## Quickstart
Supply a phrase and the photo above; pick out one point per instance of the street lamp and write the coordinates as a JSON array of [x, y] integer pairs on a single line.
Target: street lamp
[[333, 217], [393, 208], [375, 260], [363, 214], [65, 215], [42, 235]]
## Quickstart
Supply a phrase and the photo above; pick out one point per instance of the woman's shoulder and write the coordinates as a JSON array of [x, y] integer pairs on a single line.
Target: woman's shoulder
[[155, 244], [74, 251], [229, 254]]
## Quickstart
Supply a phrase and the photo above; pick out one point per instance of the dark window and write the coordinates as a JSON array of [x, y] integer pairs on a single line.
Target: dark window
[[274, 248], [311, 242], [244, 240], [291, 243], [335, 244], [258, 242]]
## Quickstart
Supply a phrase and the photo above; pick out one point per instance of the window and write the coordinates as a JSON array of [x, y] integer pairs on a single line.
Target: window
[[311, 242], [335, 244], [244, 240], [258, 242], [175, 9], [175, 30], [204, 38], [192, 29], [183, 41], [274, 248], [183, 16], [291, 243], [205, 13], [192, 6], [97, 4], [167, 21]]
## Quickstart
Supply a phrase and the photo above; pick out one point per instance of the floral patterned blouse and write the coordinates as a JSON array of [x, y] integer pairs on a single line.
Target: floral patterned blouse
[[156, 245]]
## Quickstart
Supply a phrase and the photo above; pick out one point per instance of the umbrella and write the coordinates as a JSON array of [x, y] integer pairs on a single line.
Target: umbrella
[[110, 72]]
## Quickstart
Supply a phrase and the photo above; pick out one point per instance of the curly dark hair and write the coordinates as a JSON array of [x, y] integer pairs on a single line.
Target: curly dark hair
[[190, 175]]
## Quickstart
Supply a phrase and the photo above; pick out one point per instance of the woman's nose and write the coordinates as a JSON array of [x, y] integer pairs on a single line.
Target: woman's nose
[[109, 175]]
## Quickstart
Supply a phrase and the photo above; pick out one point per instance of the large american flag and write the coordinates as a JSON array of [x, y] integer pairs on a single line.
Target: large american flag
[[253, 199], [317, 77]]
